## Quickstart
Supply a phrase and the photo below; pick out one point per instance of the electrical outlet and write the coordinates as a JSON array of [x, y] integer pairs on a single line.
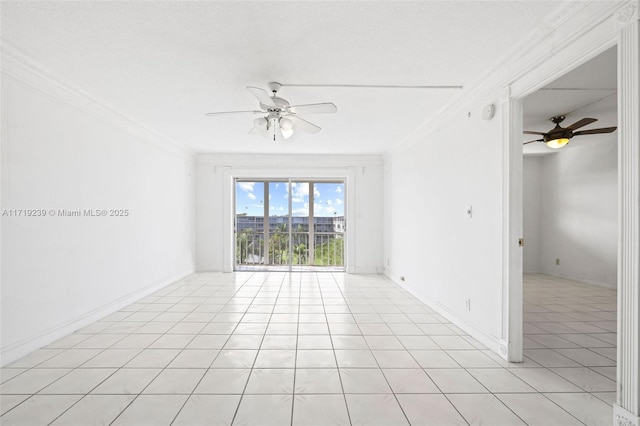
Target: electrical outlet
[[557, 262], [467, 304]]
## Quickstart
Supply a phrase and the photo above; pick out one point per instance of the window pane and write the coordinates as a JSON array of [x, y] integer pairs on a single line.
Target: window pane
[[328, 199], [328, 223], [278, 223], [249, 223]]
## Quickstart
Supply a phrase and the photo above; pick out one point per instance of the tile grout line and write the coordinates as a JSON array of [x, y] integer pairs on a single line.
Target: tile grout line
[[381, 371], [159, 373], [78, 366], [380, 301], [259, 347], [212, 361], [335, 357], [295, 359]]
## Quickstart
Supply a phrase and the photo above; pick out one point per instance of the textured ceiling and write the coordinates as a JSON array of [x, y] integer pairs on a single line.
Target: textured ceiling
[[165, 64]]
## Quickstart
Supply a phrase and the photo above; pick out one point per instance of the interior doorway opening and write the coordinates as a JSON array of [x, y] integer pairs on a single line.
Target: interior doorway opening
[[570, 224], [289, 225]]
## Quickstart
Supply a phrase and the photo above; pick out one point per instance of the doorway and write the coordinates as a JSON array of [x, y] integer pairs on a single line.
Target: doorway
[[289, 225], [570, 223]]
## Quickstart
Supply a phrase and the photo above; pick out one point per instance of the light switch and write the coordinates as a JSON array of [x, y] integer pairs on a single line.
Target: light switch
[[469, 211]]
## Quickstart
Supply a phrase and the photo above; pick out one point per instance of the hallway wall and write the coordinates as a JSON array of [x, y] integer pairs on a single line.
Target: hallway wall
[[431, 245]]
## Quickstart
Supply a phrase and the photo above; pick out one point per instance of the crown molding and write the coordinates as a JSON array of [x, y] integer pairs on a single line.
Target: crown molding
[[17, 65], [552, 36]]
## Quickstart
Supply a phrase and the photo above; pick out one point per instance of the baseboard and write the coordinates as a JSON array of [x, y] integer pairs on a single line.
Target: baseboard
[[349, 270], [24, 347], [210, 269], [624, 417], [580, 280], [367, 269], [493, 343]]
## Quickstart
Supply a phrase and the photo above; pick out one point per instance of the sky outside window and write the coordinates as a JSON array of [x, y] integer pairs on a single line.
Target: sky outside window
[[328, 198], [250, 198]]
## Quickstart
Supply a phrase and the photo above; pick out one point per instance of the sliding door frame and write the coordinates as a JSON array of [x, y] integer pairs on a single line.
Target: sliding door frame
[[346, 175]]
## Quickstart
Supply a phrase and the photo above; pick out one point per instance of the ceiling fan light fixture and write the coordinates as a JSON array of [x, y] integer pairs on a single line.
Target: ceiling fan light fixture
[[286, 133], [260, 122], [286, 127], [286, 124], [557, 143]]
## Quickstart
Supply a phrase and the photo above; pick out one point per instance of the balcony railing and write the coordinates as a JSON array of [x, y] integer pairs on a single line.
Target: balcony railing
[[326, 250]]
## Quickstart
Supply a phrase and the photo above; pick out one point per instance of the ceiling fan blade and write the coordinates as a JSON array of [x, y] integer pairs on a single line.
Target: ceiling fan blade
[[595, 131], [581, 123], [234, 112], [537, 140], [299, 123], [322, 108], [529, 132], [262, 96]]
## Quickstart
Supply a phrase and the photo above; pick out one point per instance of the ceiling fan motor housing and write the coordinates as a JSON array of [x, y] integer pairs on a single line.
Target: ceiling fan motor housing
[[558, 133], [281, 105], [274, 86]]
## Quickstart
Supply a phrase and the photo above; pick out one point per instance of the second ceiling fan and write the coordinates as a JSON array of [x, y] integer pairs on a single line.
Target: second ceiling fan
[[559, 136], [279, 118]]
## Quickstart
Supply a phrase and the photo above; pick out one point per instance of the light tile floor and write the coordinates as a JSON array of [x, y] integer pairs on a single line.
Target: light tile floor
[[318, 349]]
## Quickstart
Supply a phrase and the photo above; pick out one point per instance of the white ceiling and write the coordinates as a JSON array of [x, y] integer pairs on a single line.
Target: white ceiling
[[587, 91], [165, 64]]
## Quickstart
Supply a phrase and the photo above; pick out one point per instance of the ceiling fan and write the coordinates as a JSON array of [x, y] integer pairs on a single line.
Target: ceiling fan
[[279, 118], [559, 136]]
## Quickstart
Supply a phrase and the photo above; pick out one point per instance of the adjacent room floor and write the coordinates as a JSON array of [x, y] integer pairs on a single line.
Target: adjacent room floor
[[257, 348]]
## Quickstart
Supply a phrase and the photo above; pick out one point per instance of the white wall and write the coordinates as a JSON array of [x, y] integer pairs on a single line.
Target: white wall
[[576, 217], [209, 214], [579, 215], [531, 187], [214, 189], [61, 150], [444, 256], [454, 160]]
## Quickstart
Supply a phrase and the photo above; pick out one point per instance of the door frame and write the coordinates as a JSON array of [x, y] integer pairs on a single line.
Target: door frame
[[346, 174], [555, 67], [619, 26], [266, 208]]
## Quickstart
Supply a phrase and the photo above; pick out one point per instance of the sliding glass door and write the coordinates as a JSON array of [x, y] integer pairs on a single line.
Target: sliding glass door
[[292, 225]]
